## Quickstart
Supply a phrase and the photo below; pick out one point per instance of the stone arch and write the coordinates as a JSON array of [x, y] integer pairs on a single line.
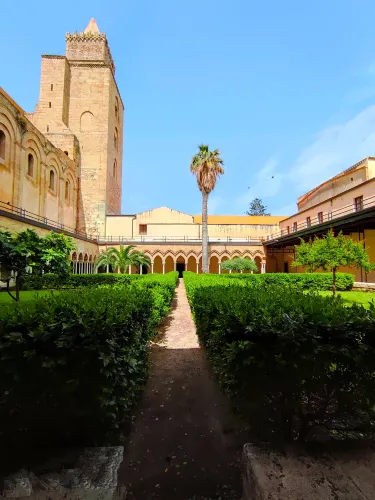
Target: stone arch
[[191, 263], [32, 141], [8, 122], [213, 266], [169, 263], [158, 264], [180, 257], [169, 254], [87, 122], [157, 254], [73, 256]]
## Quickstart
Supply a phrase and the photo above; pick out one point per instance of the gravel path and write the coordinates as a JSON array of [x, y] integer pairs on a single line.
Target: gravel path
[[185, 443]]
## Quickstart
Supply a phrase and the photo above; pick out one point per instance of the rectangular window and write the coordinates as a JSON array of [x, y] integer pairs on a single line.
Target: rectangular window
[[320, 217], [294, 227], [308, 221], [50, 104], [142, 228], [358, 203], [287, 229], [51, 86]]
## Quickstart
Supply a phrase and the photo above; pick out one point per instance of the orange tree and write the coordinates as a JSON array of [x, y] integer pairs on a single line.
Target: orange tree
[[331, 252]]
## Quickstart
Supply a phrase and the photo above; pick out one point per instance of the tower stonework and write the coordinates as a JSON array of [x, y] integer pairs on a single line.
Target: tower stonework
[[81, 112]]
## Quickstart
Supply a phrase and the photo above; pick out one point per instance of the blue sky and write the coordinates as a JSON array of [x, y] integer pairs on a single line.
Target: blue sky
[[283, 89]]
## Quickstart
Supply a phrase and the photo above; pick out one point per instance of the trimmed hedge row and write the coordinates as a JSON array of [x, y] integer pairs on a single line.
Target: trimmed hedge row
[[72, 365], [292, 361], [55, 282]]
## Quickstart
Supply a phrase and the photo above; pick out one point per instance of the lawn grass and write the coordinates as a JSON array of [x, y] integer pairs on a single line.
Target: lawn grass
[[25, 296], [363, 298]]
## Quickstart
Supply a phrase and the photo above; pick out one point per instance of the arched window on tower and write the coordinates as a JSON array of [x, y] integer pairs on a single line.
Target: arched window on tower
[[30, 165], [2, 145], [115, 139], [116, 108], [51, 180], [115, 169], [67, 191]]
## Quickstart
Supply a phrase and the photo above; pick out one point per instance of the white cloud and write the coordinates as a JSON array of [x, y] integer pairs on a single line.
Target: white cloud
[[334, 149]]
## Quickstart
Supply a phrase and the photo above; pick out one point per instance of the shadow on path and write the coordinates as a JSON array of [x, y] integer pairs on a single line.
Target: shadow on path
[[185, 442]]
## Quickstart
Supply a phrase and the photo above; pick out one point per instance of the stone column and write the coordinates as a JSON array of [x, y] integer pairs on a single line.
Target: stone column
[[130, 269], [107, 270], [230, 271], [175, 266], [263, 268], [152, 267], [140, 269], [219, 267], [163, 267], [197, 267]]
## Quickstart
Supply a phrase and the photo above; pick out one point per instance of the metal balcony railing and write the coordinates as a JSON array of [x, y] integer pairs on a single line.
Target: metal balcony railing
[[322, 218], [31, 217]]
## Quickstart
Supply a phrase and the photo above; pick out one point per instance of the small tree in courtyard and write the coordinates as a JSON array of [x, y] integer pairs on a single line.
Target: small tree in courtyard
[[27, 252], [239, 264], [256, 207], [331, 252]]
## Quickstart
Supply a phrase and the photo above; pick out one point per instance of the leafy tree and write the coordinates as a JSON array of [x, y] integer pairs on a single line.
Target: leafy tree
[[239, 264], [27, 252], [256, 207], [122, 258], [206, 165], [330, 253]]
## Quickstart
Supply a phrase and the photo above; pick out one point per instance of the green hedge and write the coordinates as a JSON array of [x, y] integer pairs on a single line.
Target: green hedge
[[72, 364], [292, 361], [55, 282]]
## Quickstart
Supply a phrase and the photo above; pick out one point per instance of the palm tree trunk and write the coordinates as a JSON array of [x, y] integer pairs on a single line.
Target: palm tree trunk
[[204, 233]]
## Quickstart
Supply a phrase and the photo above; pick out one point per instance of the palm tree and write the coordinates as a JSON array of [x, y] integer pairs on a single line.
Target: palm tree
[[105, 259], [206, 165], [122, 258]]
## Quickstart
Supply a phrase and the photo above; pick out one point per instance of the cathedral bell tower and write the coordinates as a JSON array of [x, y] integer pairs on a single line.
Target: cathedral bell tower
[[80, 111]]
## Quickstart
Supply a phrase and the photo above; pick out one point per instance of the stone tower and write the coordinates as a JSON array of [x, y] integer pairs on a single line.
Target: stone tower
[[81, 112]]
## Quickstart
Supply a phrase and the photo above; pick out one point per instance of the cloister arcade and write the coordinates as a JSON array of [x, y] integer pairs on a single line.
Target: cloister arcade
[[162, 263]]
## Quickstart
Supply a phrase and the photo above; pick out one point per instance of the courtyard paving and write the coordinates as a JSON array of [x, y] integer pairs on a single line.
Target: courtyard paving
[[185, 442]]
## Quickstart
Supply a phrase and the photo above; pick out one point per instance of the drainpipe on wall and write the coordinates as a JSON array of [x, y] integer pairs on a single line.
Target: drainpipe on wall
[[133, 219]]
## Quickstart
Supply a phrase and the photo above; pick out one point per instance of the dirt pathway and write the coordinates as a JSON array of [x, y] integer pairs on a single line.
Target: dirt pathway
[[184, 443]]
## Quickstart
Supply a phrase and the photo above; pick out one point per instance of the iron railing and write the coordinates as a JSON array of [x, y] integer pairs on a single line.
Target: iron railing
[[32, 217], [172, 239], [323, 217]]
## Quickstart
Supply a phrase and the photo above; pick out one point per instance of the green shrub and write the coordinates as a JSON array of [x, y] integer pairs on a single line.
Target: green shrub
[[72, 364], [304, 281], [55, 282], [292, 361]]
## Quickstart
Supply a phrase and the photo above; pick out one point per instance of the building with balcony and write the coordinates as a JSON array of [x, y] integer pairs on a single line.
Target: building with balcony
[[344, 203]]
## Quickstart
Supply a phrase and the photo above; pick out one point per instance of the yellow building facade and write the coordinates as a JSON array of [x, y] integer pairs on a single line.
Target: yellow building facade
[[61, 169]]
